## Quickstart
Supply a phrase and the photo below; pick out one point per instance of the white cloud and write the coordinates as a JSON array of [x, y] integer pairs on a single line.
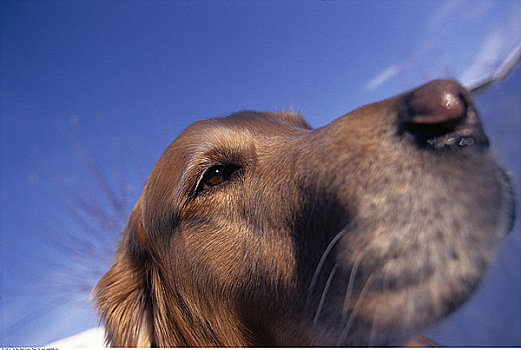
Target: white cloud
[[446, 11], [461, 39], [383, 77], [490, 55]]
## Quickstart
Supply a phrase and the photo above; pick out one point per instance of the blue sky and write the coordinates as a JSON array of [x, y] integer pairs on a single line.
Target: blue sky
[[93, 92]]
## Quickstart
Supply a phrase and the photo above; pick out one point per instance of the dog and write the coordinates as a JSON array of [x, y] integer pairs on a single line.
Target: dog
[[257, 230]]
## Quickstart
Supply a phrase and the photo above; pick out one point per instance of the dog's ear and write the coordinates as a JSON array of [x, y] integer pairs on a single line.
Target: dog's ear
[[122, 295]]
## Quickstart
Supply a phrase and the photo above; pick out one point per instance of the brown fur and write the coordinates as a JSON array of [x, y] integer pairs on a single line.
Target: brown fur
[[362, 232]]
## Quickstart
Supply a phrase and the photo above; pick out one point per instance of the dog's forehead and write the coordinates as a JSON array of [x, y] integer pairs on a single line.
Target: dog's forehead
[[239, 127]]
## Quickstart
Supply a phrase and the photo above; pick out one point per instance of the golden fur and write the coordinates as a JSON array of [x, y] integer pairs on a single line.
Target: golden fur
[[256, 229]]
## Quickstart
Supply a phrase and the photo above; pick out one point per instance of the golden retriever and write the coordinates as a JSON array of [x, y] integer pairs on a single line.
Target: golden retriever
[[255, 229]]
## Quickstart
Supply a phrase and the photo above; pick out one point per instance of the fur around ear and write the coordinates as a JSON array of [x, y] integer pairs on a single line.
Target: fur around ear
[[141, 305], [122, 296]]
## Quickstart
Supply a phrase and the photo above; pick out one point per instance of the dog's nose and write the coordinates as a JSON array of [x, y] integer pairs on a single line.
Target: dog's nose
[[438, 102], [441, 114]]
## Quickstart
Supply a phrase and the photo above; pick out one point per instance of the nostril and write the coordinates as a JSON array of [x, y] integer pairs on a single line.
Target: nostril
[[441, 114]]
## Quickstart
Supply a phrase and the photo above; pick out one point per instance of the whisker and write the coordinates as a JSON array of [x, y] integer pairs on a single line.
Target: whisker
[[350, 283], [324, 293], [351, 319], [321, 264], [374, 325]]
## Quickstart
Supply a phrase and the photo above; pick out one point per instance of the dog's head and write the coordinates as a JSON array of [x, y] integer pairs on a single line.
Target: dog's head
[[256, 229]]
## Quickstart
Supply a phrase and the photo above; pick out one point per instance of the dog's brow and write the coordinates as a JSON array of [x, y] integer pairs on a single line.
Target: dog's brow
[[216, 144]]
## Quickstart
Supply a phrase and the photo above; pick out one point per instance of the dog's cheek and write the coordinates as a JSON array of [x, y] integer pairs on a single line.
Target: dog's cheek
[[234, 253]]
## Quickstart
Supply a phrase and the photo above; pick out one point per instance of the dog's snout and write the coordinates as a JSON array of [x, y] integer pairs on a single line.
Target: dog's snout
[[441, 114]]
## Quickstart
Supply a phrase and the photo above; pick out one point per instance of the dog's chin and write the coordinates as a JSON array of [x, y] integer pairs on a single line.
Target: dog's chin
[[393, 318], [378, 312]]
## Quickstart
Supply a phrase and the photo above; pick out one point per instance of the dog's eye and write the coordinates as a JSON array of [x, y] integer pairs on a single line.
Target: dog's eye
[[214, 178], [216, 175]]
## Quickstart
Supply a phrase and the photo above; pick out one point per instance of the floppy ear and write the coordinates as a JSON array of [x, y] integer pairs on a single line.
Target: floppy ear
[[122, 295]]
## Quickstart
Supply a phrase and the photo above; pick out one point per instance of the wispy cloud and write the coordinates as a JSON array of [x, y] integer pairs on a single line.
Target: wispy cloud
[[383, 77], [444, 12], [497, 45], [455, 44], [489, 56]]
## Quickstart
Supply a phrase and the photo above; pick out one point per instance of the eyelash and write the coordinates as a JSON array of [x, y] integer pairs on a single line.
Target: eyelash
[[215, 176]]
